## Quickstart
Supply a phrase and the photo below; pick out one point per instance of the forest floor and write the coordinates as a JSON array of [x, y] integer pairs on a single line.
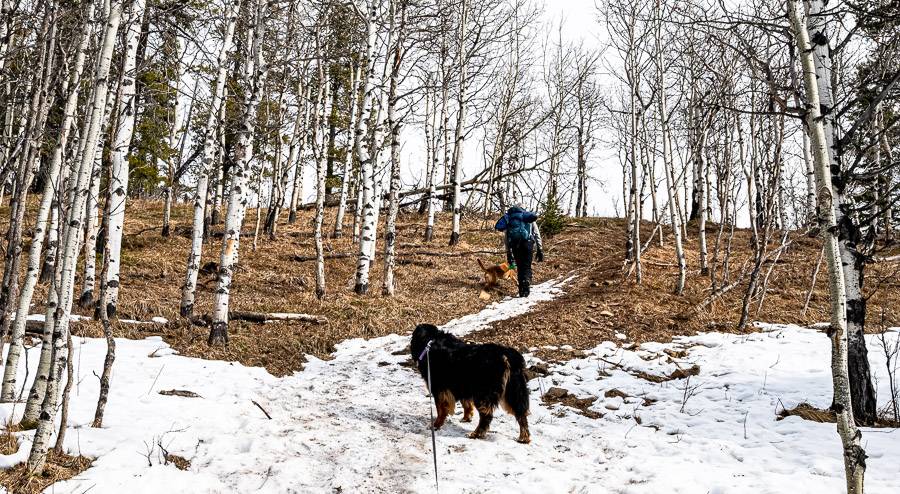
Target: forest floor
[[632, 385], [436, 283], [698, 414]]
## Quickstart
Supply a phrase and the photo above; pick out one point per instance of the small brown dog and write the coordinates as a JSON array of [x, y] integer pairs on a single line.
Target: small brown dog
[[493, 274]]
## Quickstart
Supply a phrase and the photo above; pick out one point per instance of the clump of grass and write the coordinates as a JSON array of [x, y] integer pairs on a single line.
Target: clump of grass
[[59, 467]]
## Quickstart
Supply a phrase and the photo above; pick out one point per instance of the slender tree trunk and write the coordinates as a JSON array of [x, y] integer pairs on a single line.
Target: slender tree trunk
[[299, 147], [390, 234], [851, 438], [188, 290], [27, 167], [671, 179], [321, 151], [367, 156], [60, 306], [118, 186], [255, 71], [175, 158], [71, 88], [460, 136], [348, 157]]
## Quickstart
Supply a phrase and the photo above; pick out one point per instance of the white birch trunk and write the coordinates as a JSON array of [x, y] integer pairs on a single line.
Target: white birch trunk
[[459, 140], [68, 259], [671, 179], [432, 185], [348, 157], [118, 186], [366, 159], [71, 86], [254, 73], [298, 148], [851, 438], [189, 289], [320, 144], [169, 164], [390, 233]]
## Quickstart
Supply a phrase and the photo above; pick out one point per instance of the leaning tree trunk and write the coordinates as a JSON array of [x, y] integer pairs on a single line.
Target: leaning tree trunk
[[255, 71], [853, 261], [119, 169], [68, 259], [851, 438], [71, 87], [189, 289], [27, 166]]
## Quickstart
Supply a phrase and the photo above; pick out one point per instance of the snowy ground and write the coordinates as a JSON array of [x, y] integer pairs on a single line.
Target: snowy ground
[[359, 422]]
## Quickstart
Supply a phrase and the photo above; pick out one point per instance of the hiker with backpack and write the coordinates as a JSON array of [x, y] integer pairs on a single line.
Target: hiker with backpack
[[523, 242]]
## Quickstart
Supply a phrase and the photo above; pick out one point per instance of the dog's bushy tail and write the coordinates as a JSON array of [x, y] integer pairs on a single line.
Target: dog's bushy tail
[[516, 393], [481, 263]]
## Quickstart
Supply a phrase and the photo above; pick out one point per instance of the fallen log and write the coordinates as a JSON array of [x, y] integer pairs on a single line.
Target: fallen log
[[264, 317], [35, 323]]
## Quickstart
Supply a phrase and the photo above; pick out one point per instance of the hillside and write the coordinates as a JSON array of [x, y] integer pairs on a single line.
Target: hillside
[[436, 284]]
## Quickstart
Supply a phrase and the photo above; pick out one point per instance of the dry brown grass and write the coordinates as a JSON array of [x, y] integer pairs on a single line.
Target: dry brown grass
[[580, 405], [438, 288], [429, 288], [650, 311], [9, 444], [809, 412], [59, 467]]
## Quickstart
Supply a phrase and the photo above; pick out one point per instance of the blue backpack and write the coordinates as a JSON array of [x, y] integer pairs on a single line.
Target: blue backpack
[[516, 223]]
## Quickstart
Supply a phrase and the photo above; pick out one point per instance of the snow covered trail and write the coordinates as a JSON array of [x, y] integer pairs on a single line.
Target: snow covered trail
[[359, 422], [355, 423]]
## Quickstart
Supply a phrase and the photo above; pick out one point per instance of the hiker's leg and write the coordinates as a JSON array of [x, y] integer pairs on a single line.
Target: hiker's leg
[[523, 252]]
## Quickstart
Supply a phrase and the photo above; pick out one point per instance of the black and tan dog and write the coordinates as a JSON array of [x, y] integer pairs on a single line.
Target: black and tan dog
[[480, 376]]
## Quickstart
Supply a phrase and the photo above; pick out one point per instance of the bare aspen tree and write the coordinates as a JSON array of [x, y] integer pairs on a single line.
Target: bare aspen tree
[[254, 73], [338, 231], [118, 187], [34, 121], [60, 307], [668, 162], [827, 204], [367, 155], [398, 27], [459, 134], [171, 163], [188, 290], [71, 87], [320, 150], [298, 148]]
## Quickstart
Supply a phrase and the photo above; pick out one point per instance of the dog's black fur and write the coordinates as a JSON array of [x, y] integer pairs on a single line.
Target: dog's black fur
[[480, 376]]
